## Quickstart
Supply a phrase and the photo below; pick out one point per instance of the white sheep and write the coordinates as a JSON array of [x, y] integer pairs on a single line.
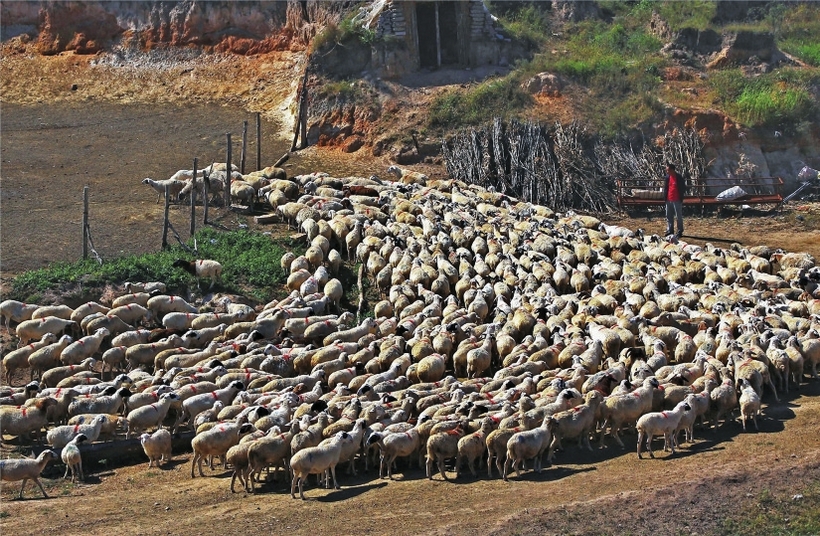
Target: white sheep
[[663, 423], [86, 309], [54, 376], [392, 446], [25, 469], [216, 442], [151, 287], [407, 176], [528, 444], [30, 330], [47, 357], [140, 298], [72, 458], [201, 268], [100, 404], [113, 422], [163, 303], [179, 321], [26, 419], [316, 461], [749, 402], [61, 436], [18, 359], [157, 447], [60, 311], [131, 313], [151, 415], [173, 185], [16, 311], [196, 404], [81, 349]]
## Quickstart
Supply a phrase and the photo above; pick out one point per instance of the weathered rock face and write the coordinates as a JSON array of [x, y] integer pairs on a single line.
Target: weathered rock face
[[86, 27]]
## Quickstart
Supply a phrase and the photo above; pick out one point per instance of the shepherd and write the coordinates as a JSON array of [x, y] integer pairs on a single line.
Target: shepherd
[[674, 189]]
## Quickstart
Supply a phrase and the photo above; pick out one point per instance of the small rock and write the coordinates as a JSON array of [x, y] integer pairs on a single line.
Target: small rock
[[74, 87]]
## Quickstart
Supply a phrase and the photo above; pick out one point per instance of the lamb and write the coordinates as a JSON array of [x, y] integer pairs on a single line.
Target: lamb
[[25, 469], [201, 268], [157, 447], [660, 423], [61, 436], [151, 415], [72, 458], [473, 446], [30, 330], [749, 404], [174, 186], [53, 376], [237, 458], [15, 310], [316, 461], [18, 358], [529, 444], [216, 442], [47, 357]]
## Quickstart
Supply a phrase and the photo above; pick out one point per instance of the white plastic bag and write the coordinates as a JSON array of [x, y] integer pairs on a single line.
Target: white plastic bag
[[735, 192]]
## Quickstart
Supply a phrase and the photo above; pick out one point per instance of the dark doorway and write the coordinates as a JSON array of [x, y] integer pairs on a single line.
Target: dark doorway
[[448, 32], [426, 28]]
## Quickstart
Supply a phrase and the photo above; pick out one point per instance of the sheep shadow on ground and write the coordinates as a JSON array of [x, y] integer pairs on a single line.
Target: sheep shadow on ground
[[348, 492], [555, 472]]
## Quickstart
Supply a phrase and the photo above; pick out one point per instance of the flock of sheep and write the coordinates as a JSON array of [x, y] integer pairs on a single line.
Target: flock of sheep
[[503, 331]]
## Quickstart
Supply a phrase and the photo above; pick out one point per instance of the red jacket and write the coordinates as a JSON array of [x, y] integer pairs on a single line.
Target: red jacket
[[674, 187]]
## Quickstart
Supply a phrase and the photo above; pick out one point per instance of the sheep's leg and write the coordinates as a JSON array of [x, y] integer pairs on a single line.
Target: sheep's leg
[[233, 480], [429, 467], [67, 467], [441, 467], [39, 485], [640, 440], [649, 445], [333, 472], [506, 470], [293, 484], [22, 487]]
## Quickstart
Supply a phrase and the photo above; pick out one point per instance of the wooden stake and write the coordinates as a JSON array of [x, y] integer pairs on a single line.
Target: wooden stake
[[228, 174], [193, 202], [206, 183], [244, 147], [165, 220], [85, 222], [258, 141]]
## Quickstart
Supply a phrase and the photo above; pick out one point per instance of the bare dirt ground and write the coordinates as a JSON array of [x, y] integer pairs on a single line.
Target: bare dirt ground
[[55, 140]]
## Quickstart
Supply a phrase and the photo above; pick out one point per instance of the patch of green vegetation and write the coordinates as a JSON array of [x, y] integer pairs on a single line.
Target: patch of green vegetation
[[4, 514], [527, 22], [686, 13], [780, 97], [498, 97], [344, 89], [249, 260], [778, 514]]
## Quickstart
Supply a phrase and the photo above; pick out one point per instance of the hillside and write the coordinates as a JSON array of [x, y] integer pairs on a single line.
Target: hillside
[[743, 74]]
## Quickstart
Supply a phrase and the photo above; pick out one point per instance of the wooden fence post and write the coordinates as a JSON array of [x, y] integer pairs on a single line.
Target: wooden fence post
[[193, 202], [206, 183], [258, 141], [85, 222], [244, 147], [228, 174], [165, 220]]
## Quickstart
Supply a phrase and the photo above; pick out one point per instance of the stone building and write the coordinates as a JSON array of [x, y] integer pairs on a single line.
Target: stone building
[[413, 35]]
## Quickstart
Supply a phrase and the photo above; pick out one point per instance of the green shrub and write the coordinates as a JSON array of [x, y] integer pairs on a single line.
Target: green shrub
[[498, 97], [687, 13], [808, 52]]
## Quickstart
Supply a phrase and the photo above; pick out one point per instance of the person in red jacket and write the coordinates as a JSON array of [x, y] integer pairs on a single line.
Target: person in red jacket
[[673, 190]]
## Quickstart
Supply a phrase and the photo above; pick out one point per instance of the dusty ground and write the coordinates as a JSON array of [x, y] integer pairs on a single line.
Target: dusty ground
[[55, 140]]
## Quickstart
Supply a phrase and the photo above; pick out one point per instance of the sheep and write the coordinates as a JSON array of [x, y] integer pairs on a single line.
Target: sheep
[[131, 338], [201, 268], [47, 357], [315, 461], [100, 404], [25, 469], [113, 422], [216, 442], [660, 423], [29, 391], [53, 376], [17, 359], [144, 354], [140, 298], [60, 436], [198, 403], [473, 446], [149, 416], [577, 422], [16, 311], [114, 324], [237, 459], [29, 330], [72, 458], [441, 446], [749, 404], [172, 186], [163, 303], [131, 313], [245, 192], [407, 176], [617, 410], [81, 349], [157, 447], [392, 446], [528, 444], [151, 287], [60, 311]]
